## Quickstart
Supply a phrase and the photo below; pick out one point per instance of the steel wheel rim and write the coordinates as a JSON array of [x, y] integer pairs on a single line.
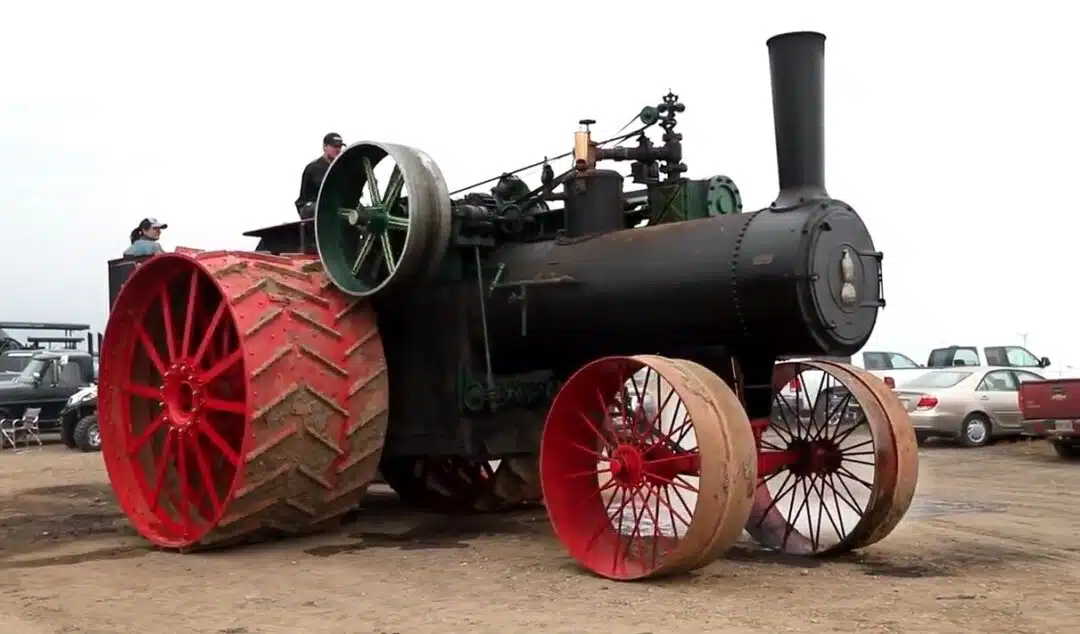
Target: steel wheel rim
[[861, 504], [635, 460], [186, 416]]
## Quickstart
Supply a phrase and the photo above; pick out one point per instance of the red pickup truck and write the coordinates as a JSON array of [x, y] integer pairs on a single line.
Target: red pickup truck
[[1051, 410]]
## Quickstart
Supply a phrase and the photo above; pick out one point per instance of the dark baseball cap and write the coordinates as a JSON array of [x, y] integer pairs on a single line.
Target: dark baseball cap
[[333, 139], [152, 223]]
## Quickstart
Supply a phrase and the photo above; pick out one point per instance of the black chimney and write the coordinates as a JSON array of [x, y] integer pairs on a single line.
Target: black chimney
[[797, 69]]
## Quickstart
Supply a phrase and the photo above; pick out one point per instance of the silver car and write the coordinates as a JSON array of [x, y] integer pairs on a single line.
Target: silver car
[[969, 404]]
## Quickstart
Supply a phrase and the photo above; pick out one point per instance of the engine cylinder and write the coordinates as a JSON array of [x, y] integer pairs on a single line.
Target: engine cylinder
[[594, 203]]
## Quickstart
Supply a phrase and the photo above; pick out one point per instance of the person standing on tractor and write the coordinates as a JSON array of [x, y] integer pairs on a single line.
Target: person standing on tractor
[[144, 238], [313, 175]]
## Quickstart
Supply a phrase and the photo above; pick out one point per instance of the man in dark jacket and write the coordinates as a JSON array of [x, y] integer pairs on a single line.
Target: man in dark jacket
[[313, 175]]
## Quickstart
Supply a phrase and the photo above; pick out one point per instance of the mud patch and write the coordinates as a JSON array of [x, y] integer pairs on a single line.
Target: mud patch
[[925, 509], [44, 516], [70, 559], [441, 532]]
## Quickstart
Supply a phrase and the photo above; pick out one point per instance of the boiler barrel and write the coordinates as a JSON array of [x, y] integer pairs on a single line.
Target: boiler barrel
[[804, 281]]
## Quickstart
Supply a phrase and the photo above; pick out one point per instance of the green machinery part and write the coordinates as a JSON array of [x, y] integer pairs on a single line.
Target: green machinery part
[[692, 199], [373, 236]]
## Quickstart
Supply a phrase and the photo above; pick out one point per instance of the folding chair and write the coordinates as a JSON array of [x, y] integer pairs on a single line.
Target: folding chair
[[23, 429]]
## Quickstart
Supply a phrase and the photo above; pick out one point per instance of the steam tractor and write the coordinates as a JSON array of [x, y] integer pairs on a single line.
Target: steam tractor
[[616, 354]]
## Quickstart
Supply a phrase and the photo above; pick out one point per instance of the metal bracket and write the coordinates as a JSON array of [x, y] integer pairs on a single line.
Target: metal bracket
[[522, 294]]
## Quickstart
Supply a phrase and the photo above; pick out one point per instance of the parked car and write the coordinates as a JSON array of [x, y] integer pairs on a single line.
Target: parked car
[[1051, 410], [47, 382], [970, 404], [79, 421], [997, 356]]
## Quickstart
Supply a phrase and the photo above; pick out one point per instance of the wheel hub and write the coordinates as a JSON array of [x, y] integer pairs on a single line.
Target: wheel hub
[[627, 466], [183, 394], [815, 457]]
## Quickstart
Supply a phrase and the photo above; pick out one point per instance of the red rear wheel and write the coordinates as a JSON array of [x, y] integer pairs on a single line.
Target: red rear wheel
[[240, 393]]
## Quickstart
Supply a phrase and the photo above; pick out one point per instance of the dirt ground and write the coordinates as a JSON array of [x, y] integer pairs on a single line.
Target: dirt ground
[[989, 546]]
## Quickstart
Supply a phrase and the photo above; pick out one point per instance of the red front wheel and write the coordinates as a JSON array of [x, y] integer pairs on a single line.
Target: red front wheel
[[647, 466]]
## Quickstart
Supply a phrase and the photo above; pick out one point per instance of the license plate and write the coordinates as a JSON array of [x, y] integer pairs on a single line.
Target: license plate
[[1063, 425], [905, 402]]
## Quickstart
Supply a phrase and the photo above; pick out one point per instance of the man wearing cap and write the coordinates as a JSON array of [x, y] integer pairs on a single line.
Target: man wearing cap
[[314, 173], [144, 238]]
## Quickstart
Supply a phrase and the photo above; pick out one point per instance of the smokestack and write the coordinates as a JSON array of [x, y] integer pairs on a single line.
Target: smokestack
[[797, 69]]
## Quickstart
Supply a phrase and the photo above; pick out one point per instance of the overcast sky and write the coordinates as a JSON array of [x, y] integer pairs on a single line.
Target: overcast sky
[[951, 127]]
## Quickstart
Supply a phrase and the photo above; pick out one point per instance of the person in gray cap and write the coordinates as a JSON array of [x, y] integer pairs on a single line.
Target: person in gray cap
[[313, 175], [144, 238]]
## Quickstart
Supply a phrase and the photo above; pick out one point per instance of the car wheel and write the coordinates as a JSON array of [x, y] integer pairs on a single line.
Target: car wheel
[[1067, 450], [975, 431], [87, 436], [921, 438]]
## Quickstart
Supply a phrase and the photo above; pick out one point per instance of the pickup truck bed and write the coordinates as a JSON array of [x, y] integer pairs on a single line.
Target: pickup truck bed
[[1051, 409], [1051, 399]]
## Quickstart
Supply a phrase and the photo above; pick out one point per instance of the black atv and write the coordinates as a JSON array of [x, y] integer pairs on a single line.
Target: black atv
[[79, 421]]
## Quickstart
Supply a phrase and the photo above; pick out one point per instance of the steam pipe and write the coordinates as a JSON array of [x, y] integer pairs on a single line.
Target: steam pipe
[[797, 70]]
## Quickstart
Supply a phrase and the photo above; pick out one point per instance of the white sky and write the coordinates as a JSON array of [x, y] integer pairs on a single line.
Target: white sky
[[951, 127]]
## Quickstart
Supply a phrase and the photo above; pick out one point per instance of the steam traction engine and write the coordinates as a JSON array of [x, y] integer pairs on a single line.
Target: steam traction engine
[[615, 351]]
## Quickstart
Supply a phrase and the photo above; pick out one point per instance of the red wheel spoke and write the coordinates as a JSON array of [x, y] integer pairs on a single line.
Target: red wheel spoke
[[184, 508], [671, 509], [189, 315], [596, 430], [166, 316], [583, 448], [159, 476], [628, 496], [223, 365], [151, 350], [208, 336], [223, 405], [207, 476], [147, 434], [677, 482], [208, 430], [637, 516], [605, 523], [682, 455], [593, 493], [654, 518], [689, 510], [654, 424], [145, 391], [591, 472]]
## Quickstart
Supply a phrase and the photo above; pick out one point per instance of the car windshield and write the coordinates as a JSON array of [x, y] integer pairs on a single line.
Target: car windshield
[[32, 372], [939, 380]]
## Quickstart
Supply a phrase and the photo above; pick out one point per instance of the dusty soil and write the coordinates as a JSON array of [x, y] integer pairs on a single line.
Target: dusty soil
[[990, 546]]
